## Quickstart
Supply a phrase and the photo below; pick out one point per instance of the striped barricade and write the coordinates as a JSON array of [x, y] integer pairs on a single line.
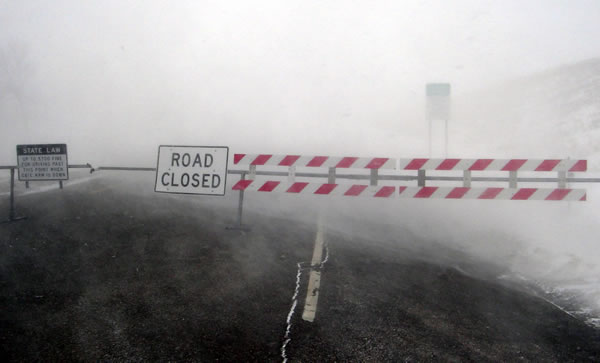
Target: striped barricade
[[512, 166], [349, 190], [558, 194], [314, 161], [357, 190], [494, 164], [562, 167]]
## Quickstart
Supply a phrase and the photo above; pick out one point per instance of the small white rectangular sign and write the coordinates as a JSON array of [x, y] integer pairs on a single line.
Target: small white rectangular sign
[[192, 169], [438, 101], [42, 162]]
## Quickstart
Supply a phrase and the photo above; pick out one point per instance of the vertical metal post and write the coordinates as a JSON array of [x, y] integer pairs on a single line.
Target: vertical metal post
[[331, 176], [446, 138], [27, 185], [467, 178], [252, 172], [512, 179], [569, 175], [430, 135], [241, 203], [60, 184], [562, 179], [11, 213], [238, 225], [292, 174], [421, 178], [374, 177]]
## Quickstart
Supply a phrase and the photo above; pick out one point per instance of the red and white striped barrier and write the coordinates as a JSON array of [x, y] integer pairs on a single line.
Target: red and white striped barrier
[[356, 190], [314, 161], [350, 190], [494, 164], [493, 193]]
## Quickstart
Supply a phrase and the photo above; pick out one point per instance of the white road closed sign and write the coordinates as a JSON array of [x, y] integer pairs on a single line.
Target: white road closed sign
[[192, 169]]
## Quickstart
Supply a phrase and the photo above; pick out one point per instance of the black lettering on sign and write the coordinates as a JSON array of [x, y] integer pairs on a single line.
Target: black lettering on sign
[[216, 180], [208, 160], [173, 181], [175, 159], [164, 181], [195, 180], [185, 179], [197, 161], [185, 160]]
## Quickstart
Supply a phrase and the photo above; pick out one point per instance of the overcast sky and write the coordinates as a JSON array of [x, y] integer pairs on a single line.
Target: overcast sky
[[99, 69]]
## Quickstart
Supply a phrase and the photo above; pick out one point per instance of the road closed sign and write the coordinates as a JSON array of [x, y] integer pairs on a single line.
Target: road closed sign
[[192, 169]]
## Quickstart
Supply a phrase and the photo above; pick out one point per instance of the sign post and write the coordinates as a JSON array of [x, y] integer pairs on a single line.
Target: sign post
[[11, 213], [11, 206], [200, 170]]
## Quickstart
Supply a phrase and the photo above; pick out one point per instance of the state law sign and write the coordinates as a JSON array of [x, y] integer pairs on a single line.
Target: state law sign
[[42, 162], [192, 169]]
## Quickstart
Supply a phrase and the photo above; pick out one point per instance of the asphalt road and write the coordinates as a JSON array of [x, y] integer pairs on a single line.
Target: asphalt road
[[107, 270]]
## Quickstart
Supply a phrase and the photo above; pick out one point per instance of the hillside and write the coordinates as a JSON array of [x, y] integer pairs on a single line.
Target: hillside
[[555, 113]]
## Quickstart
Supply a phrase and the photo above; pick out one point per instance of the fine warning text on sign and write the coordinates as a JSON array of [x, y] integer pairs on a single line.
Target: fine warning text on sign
[[42, 162], [192, 169]]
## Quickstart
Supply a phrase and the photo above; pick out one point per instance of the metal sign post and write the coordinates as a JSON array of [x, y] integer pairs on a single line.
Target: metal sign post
[[238, 226], [11, 213]]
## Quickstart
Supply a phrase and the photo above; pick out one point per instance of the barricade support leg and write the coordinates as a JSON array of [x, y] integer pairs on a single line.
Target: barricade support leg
[[512, 176], [238, 226], [421, 177]]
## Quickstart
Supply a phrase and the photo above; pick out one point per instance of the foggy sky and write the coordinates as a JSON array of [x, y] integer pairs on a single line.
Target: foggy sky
[[262, 75], [115, 79]]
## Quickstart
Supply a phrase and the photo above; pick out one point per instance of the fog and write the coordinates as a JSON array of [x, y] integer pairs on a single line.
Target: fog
[[115, 79]]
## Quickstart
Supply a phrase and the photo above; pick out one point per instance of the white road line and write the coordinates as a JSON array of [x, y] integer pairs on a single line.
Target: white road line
[[313, 285], [314, 281], [287, 338]]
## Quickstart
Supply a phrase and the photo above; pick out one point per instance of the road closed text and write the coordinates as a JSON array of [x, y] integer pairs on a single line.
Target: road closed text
[[194, 180], [192, 170]]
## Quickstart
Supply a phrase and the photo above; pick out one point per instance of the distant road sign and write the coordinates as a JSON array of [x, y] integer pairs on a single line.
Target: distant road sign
[[192, 169], [42, 162], [438, 101], [438, 89]]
